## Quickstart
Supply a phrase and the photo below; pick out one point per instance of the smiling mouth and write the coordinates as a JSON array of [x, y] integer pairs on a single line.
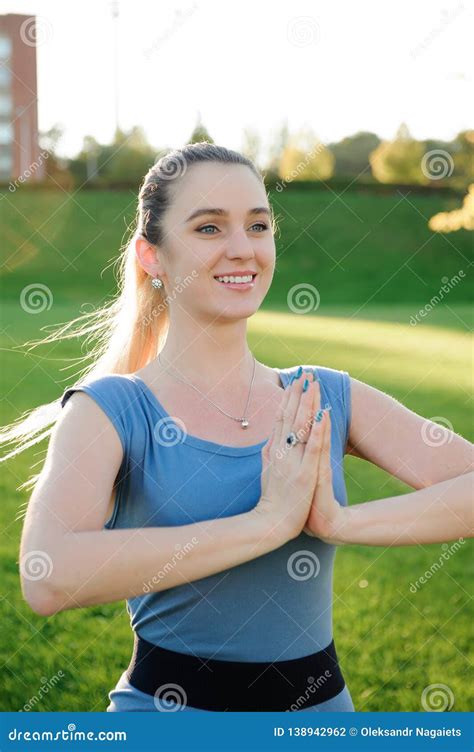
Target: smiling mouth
[[237, 281]]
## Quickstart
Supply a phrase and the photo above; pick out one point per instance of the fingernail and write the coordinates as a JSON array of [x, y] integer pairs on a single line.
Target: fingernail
[[319, 416], [305, 385], [299, 372]]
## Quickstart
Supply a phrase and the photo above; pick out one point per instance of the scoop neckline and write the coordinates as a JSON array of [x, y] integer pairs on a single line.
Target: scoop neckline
[[196, 441]]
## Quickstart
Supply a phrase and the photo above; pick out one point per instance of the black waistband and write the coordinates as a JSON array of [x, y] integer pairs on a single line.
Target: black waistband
[[210, 684]]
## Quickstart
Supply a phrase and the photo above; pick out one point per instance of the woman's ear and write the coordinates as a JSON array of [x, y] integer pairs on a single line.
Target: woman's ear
[[148, 258]]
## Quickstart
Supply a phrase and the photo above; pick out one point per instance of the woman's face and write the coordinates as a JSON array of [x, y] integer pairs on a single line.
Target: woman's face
[[201, 244]]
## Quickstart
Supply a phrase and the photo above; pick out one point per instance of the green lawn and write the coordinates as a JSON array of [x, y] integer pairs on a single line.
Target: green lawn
[[354, 248], [392, 643]]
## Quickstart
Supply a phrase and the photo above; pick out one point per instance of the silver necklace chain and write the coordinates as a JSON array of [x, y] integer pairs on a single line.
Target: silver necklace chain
[[244, 422]]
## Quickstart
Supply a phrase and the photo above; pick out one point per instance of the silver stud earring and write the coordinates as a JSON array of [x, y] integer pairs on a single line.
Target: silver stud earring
[[157, 283]]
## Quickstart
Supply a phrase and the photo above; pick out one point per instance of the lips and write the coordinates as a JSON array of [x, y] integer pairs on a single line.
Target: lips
[[235, 284], [236, 274]]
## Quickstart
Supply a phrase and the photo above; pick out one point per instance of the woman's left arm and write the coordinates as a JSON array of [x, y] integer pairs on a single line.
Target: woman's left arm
[[429, 457], [439, 513]]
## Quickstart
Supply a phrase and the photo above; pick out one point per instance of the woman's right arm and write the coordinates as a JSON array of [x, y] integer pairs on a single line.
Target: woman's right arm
[[68, 560]]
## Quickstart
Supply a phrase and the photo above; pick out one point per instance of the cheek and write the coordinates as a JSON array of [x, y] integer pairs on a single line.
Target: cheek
[[266, 257], [190, 256]]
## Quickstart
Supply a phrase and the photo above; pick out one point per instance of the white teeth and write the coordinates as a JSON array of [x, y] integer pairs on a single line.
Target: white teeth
[[248, 278]]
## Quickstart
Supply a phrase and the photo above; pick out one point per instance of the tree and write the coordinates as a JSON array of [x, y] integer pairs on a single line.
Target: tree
[[251, 144], [200, 134], [306, 158], [352, 154], [458, 219], [278, 142], [400, 160], [54, 168], [131, 157], [463, 155], [125, 160]]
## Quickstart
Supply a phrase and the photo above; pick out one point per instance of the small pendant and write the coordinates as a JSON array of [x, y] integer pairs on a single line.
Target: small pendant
[[244, 423]]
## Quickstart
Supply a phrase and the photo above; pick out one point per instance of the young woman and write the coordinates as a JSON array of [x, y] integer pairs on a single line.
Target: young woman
[[207, 488]]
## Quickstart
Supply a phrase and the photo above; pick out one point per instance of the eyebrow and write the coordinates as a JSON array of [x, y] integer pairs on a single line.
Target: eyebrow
[[224, 213]]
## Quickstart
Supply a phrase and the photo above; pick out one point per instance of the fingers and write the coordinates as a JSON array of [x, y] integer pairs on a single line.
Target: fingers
[[297, 409], [309, 403], [319, 433], [288, 408], [324, 468], [296, 395], [280, 415]]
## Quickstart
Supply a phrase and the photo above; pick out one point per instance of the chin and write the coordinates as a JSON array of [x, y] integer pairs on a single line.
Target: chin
[[236, 312]]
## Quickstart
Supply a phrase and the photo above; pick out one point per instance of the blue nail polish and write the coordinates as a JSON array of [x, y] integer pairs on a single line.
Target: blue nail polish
[[319, 416], [305, 385], [299, 372]]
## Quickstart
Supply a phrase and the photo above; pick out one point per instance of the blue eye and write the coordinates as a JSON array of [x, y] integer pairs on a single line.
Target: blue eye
[[204, 227], [262, 226]]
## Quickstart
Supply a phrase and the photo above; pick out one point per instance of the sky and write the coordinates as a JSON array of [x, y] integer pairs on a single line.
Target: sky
[[336, 67]]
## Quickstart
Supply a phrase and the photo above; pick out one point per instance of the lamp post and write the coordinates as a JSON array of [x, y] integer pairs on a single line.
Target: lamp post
[[115, 17]]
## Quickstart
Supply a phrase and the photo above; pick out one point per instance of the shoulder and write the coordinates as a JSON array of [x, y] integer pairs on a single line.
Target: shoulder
[[89, 427], [116, 397], [109, 387]]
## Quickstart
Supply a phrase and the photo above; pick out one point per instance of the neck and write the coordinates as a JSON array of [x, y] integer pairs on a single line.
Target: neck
[[216, 356]]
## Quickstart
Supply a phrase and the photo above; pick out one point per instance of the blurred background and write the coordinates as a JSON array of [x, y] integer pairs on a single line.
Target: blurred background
[[359, 120]]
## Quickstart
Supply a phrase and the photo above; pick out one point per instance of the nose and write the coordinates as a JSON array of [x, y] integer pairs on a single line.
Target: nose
[[239, 245]]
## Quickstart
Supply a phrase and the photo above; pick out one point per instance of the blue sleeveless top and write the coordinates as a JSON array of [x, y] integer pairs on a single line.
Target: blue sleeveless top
[[276, 607]]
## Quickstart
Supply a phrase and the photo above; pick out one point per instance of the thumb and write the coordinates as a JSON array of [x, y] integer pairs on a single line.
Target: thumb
[[325, 469], [266, 451]]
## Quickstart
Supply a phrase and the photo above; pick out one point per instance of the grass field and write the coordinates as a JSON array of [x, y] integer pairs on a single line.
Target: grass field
[[392, 642]]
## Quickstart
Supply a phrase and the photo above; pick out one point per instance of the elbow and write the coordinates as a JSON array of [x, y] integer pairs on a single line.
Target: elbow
[[41, 599]]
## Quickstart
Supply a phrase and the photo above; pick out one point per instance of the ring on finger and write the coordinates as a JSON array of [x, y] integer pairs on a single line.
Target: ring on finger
[[293, 439]]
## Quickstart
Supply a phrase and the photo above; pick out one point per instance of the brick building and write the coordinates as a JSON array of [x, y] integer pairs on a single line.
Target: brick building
[[19, 149]]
